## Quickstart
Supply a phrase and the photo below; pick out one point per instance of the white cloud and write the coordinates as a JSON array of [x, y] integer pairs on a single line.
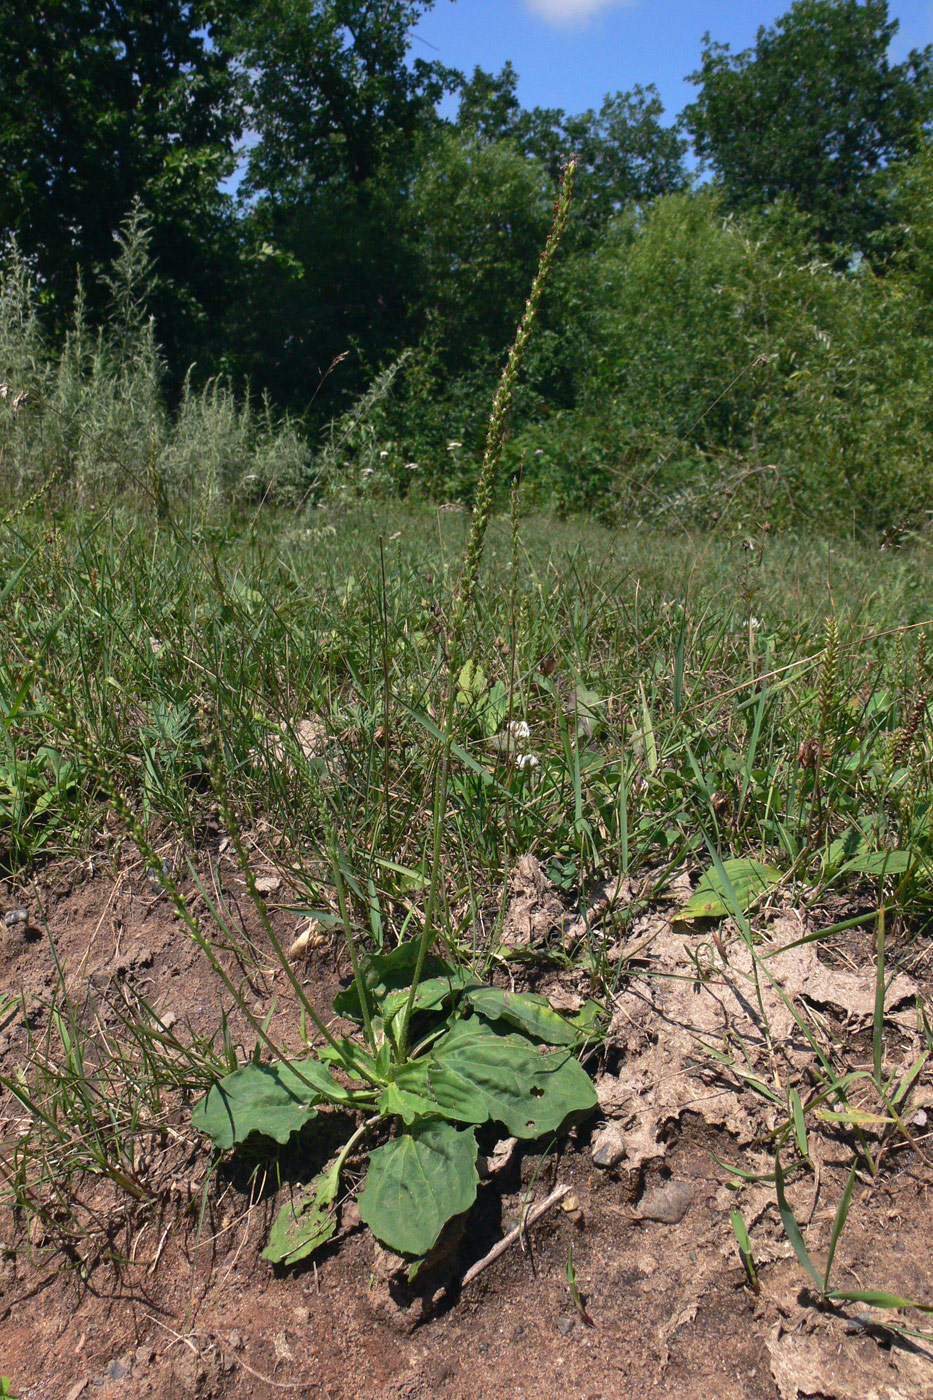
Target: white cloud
[[568, 12]]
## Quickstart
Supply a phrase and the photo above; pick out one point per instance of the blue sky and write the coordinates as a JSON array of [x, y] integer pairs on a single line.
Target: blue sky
[[570, 53]]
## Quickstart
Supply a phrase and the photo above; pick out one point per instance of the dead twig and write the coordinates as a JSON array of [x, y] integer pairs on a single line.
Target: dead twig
[[502, 1245]]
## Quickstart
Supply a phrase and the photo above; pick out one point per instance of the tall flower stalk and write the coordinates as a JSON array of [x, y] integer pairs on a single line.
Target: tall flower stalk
[[472, 558]]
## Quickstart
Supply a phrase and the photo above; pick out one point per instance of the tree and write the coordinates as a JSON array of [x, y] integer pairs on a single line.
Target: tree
[[332, 95], [815, 111], [339, 114], [480, 214], [625, 155], [104, 103]]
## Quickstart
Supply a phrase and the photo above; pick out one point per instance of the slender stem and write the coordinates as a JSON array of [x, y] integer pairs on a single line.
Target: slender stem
[[472, 557], [385, 696], [351, 941]]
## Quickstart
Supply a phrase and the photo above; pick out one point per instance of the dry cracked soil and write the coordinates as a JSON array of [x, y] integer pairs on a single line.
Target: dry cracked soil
[[168, 1295]]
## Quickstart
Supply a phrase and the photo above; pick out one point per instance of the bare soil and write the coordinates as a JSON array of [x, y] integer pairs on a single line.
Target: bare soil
[[168, 1296]]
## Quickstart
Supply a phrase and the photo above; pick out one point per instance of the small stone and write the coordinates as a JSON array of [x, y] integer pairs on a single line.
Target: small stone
[[234, 1340], [268, 884], [143, 1356], [117, 1371], [565, 1325], [608, 1146], [667, 1204], [16, 917]]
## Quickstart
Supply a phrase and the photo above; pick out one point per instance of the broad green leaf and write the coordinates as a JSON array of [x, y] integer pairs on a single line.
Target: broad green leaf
[[274, 1100], [471, 683], [408, 1097], [351, 1057], [417, 1182], [587, 708], [851, 844], [527, 1012], [495, 707], [384, 973], [474, 1074], [432, 993], [413, 1094], [747, 880], [306, 1221], [880, 863]]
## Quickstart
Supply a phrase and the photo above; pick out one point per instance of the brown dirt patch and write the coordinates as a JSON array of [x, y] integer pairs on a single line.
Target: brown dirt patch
[[169, 1297]]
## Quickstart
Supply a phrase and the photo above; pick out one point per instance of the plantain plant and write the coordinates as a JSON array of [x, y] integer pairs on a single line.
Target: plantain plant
[[478, 1055]]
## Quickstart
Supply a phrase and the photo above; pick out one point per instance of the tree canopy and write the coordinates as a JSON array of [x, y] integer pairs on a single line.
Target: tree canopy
[[814, 112], [101, 104]]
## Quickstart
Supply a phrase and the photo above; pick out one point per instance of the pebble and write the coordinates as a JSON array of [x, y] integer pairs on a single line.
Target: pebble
[[16, 916], [667, 1204], [565, 1325], [608, 1146]]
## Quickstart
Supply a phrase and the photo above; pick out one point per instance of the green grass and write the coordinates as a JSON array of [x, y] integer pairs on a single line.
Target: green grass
[[670, 687]]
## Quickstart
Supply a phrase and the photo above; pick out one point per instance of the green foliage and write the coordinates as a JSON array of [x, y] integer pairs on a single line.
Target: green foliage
[[814, 112], [699, 670], [91, 422], [733, 888], [417, 1182], [332, 97], [625, 156], [483, 211], [463, 1071], [735, 376], [307, 1221], [101, 107]]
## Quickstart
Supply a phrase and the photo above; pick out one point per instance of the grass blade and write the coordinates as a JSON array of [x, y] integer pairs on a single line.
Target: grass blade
[[842, 1210], [791, 1228]]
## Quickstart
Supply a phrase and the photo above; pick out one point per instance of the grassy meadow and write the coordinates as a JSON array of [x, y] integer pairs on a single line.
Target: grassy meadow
[[670, 686]]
